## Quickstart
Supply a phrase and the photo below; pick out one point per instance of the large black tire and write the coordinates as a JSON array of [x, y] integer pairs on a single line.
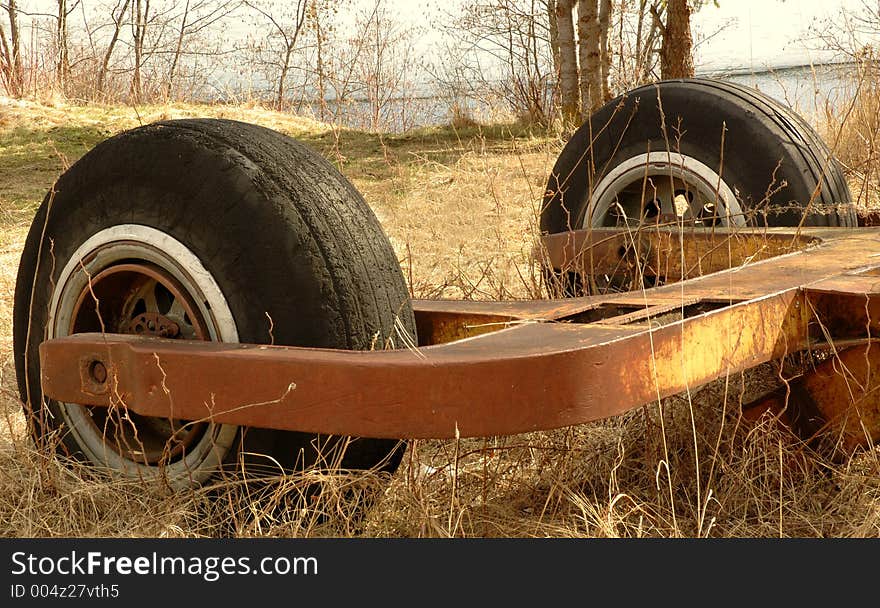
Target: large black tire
[[284, 243], [772, 161]]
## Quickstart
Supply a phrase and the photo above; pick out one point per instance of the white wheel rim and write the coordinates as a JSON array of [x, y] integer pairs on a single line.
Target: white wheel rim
[[144, 244], [648, 173]]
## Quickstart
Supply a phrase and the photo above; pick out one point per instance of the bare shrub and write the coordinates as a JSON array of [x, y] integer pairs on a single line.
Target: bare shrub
[[855, 128], [852, 124]]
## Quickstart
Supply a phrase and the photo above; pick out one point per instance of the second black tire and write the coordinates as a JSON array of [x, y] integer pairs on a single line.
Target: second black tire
[[776, 165]]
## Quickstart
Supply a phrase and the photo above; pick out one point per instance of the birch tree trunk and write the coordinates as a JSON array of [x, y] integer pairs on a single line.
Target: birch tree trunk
[[589, 56], [568, 68], [604, 51]]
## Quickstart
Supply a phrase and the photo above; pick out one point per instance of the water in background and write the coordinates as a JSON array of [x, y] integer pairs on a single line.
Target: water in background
[[809, 90]]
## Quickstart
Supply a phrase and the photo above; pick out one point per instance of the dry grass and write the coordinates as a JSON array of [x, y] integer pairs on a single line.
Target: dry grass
[[459, 207], [854, 130]]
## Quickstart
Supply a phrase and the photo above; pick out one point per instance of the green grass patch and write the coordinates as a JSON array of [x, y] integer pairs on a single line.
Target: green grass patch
[[37, 143]]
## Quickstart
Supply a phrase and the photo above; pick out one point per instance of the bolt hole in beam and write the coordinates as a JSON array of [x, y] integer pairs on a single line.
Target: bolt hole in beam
[[98, 372]]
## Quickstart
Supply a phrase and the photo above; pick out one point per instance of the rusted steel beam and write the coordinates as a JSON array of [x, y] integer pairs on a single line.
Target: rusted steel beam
[[845, 392], [458, 319], [551, 365], [668, 252], [838, 398], [599, 250], [528, 377], [441, 327], [441, 321]]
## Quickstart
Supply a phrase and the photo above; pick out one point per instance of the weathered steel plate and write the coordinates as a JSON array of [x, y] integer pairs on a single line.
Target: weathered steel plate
[[495, 368]]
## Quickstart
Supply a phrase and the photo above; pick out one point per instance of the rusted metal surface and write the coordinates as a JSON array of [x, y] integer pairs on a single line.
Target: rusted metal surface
[[530, 374], [843, 391], [549, 364], [704, 252], [153, 324], [110, 301], [839, 398], [529, 377], [665, 252], [441, 321], [438, 327]]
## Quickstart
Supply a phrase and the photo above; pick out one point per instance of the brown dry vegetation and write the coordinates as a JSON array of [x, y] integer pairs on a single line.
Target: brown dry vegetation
[[460, 209], [854, 131]]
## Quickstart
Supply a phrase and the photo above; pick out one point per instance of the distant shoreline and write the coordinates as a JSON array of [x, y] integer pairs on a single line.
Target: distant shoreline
[[745, 71]]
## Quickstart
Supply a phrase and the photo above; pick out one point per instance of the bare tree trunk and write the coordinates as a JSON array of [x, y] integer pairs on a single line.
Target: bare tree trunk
[[553, 39], [62, 67], [554, 36], [289, 34], [676, 54], [376, 85], [5, 61], [118, 19], [640, 22], [139, 29], [646, 58], [604, 51], [319, 39], [623, 63], [282, 78], [568, 67], [535, 82], [175, 59], [17, 72], [88, 29], [137, 16], [589, 55]]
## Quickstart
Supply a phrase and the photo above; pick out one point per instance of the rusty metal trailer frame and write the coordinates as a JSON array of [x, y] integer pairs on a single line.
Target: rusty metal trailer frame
[[731, 301]]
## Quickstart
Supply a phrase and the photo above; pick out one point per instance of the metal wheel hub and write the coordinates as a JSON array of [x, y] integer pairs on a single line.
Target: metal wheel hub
[[143, 299], [662, 188], [134, 279]]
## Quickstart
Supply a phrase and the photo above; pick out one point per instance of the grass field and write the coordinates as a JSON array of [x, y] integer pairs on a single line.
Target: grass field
[[460, 208]]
